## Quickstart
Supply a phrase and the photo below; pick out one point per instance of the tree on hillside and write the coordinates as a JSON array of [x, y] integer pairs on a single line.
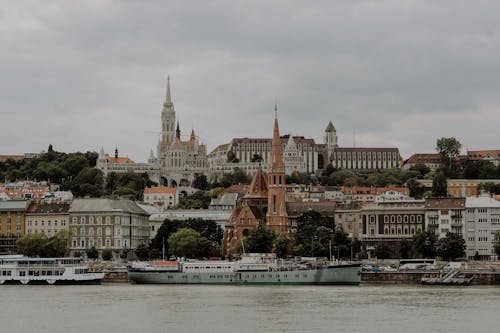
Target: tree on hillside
[[421, 168], [197, 200], [88, 182], [439, 185], [200, 182], [415, 188], [449, 148]]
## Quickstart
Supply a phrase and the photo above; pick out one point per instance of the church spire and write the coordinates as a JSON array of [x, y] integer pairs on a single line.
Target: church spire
[[168, 100], [276, 163], [178, 132], [277, 218]]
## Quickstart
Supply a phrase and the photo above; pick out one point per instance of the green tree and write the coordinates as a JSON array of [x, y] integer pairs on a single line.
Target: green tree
[[404, 249], [329, 170], [88, 182], [57, 245], [107, 254], [184, 243], [92, 253], [200, 182], [282, 245], [450, 247], [424, 243], [415, 188], [142, 251], [489, 187], [32, 245], [449, 148], [382, 250], [260, 240], [497, 244], [439, 185], [421, 168], [197, 200]]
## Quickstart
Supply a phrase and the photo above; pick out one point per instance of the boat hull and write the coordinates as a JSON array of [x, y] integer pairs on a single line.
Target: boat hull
[[335, 275]]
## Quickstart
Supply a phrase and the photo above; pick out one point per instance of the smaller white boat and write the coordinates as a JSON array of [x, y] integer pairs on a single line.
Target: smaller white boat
[[23, 270]]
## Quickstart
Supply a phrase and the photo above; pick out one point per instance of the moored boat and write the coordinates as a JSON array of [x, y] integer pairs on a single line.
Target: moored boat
[[250, 269], [24, 270]]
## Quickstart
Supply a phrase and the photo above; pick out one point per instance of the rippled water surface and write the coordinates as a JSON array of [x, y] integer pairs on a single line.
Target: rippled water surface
[[163, 308]]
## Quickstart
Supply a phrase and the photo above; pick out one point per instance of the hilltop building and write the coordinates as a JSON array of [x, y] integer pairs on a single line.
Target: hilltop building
[[177, 160]]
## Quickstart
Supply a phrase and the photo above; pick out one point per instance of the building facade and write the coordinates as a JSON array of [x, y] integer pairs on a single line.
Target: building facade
[[444, 215], [12, 224], [391, 222], [161, 197], [47, 218], [482, 222], [117, 224], [366, 159]]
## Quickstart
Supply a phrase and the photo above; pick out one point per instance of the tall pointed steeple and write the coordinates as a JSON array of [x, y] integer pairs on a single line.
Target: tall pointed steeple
[[192, 138], [277, 218], [276, 163], [168, 99], [168, 117]]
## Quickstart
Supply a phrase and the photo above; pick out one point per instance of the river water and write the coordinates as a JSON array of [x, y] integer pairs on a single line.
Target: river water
[[236, 309]]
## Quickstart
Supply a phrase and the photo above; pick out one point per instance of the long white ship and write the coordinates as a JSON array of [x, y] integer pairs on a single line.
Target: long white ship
[[24, 270], [251, 269]]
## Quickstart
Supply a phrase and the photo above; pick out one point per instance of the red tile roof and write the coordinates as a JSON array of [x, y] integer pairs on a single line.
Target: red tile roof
[[160, 190], [120, 160], [4, 158], [480, 154]]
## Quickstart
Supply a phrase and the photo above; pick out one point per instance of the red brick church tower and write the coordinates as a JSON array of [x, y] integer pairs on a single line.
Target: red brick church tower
[[264, 203], [277, 218]]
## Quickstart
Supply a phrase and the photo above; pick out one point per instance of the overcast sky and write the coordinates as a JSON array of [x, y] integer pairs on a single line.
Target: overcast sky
[[85, 74]]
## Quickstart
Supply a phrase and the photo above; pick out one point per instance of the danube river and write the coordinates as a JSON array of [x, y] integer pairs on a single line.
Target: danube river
[[236, 309]]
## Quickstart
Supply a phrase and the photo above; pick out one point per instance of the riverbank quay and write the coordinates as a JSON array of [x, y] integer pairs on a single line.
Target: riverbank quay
[[414, 277]]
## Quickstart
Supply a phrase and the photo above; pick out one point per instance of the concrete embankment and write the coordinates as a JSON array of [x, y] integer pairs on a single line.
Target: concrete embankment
[[414, 277], [116, 276]]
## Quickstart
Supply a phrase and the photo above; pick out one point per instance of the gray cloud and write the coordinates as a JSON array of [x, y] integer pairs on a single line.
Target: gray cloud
[[90, 74]]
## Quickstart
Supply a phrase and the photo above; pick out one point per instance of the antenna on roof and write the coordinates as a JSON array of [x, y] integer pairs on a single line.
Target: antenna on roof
[[354, 138]]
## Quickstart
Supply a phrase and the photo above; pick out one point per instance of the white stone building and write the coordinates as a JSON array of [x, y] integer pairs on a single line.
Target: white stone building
[[482, 222], [117, 224], [177, 160]]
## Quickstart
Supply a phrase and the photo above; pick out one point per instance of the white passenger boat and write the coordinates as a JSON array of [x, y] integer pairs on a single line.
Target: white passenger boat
[[251, 269], [24, 270]]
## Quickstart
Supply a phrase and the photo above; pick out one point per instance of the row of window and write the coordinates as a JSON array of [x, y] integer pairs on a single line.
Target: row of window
[[49, 223], [98, 231], [98, 244], [91, 220]]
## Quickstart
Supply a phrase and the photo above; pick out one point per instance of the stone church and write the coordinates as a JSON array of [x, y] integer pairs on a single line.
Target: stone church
[[177, 160]]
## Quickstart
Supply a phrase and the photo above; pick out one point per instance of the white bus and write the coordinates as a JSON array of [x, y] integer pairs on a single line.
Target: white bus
[[405, 264]]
